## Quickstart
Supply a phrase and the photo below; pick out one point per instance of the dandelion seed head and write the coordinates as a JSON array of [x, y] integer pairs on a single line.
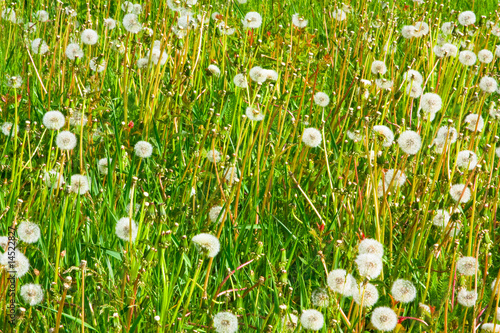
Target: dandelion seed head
[[341, 282], [386, 133], [20, 265], [460, 193], [403, 291], [143, 149], [240, 81], [367, 294], [102, 165], [466, 18], [97, 66], [311, 137], [32, 293], [214, 213], [410, 142], [123, 229], [421, 29], [89, 37], [28, 232], [369, 265], [299, 21], [467, 58], [214, 70], [214, 156], [207, 244], [131, 23], [339, 15], [447, 134], [225, 322], [79, 184], [413, 77], [485, 56], [39, 46], [290, 321], [371, 246], [466, 297], [312, 320], [414, 90], [490, 327], [467, 159], [431, 103], [447, 28], [378, 67], [42, 16], [384, 319], [258, 74], [441, 218], [109, 23], [475, 122], [320, 298], [408, 31], [488, 84], [66, 140], [252, 20], [73, 51], [321, 99], [467, 266]]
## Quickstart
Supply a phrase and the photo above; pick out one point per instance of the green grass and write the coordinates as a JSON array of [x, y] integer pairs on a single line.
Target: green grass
[[295, 213]]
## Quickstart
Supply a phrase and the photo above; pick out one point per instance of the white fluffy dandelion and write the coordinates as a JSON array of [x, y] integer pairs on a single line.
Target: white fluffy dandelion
[[397, 178], [414, 90], [207, 244], [441, 218], [66, 140], [490, 327], [299, 21], [20, 265], [312, 320], [467, 58], [467, 266], [225, 322], [252, 20], [240, 81], [131, 23], [254, 114], [460, 193], [320, 298], [289, 321], [214, 213], [339, 15], [378, 67], [39, 46], [102, 165], [488, 84], [466, 18], [258, 74], [403, 291], [386, 133], [431, 103], [369, 265], [214, 156], [73, 51], [371, 246], [341, 282], [365, 293], [28, 232], [97, 66], [321, 99], [384, 319], [447, 134], [53, 120], [89, 37], [475, 122], [8, 129], [109, 23], [408, 31], [79, 184], [467, 159], [143, 149], [466, 297], [214, 70], [485, 56], [53, 178], [311, 137], [410, 142], [42, 16], [32, 293], [126, 229]]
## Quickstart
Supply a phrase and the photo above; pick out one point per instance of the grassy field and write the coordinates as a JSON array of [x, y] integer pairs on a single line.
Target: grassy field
[[251, 166]]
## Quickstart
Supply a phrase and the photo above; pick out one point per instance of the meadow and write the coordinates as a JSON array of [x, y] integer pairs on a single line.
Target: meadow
[[249, 166]]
